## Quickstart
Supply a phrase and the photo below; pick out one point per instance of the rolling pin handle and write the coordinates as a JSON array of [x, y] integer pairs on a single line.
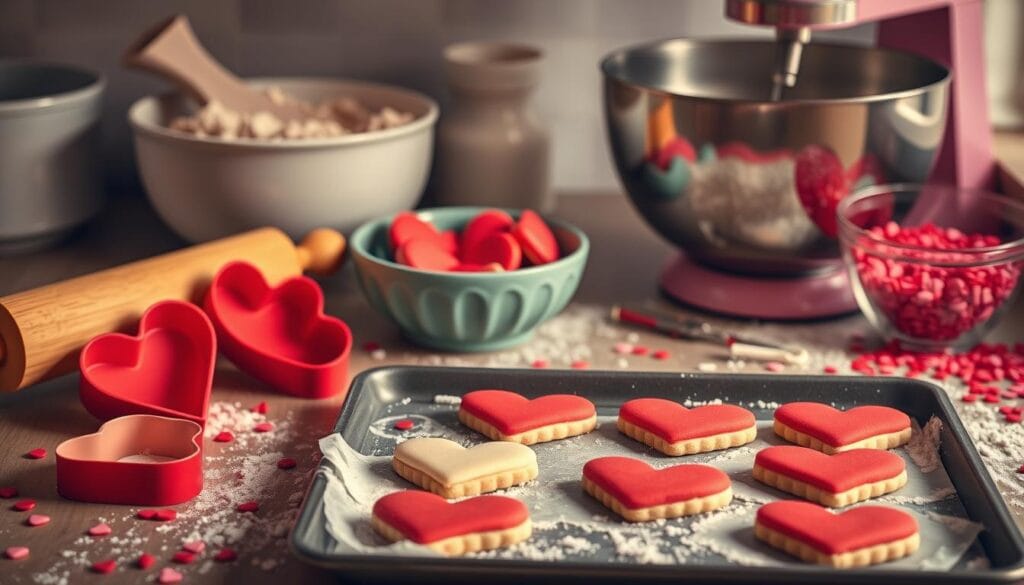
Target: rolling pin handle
[[321, 251]]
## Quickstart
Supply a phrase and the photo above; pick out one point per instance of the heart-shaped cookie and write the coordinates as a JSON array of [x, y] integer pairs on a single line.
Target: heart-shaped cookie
[[507, 416], [166, 370], [675, 430], [479, 523], [280, 334], [453, 471], [139, 460], [821, 427], [832, 480], [638, 492], [861, 536]]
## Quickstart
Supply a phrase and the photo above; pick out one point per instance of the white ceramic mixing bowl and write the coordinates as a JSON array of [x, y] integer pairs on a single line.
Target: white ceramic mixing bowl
[[206, 188]]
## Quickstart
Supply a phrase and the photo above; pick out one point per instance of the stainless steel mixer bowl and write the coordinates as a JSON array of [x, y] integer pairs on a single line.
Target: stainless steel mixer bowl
[[730, 197]]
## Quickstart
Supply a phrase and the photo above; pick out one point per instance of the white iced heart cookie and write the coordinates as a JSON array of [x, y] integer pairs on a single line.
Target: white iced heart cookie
[[450, 470]]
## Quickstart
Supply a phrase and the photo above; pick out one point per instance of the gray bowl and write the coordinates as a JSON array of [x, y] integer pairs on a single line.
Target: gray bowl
[[733, 202], [50, 169]]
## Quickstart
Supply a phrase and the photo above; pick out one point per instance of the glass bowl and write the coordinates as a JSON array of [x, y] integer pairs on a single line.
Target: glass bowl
[[932, 266]]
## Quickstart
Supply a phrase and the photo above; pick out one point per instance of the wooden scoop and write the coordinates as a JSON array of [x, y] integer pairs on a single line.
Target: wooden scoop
[[170, 49]]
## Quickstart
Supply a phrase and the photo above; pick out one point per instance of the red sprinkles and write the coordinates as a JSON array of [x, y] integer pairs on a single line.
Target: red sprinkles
[[23, 505], [8, 492], [145, 561], [261, 408], [36, 453], [928, 296], [183, 557], [104, 567], [249, 507], [225, 555], [402, 425], [224, 437], [287, 463], [263, 427]]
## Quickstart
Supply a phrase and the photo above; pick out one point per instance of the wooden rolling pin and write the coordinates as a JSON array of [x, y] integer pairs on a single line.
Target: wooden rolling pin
[[43, 330]]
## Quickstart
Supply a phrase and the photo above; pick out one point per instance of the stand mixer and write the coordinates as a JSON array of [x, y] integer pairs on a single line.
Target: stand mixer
[[738, 151]]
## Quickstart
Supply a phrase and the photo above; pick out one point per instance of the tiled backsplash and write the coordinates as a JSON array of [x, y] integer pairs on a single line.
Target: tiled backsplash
[[394, 41]]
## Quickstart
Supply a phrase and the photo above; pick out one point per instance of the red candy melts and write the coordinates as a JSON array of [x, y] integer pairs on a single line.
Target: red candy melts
[[538, 242], [426, 254], [835, 534], [408, 226], [487, 223], [498, 248]]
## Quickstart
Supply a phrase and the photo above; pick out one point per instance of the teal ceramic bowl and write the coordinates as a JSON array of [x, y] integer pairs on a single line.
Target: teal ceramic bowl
[[466, 311]]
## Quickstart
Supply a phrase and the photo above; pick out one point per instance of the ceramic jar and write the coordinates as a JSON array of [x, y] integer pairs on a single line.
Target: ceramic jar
[[492, 149]]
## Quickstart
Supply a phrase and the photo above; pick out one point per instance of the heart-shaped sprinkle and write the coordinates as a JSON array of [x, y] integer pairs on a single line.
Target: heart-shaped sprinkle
[[673, 422], [8, 492], [145, 561], [183, 557], [424, 517], [263, 427], [513, 414], [249, 507], [104, 567], [261, 408], [101, 529], [37, 520], [225, 555], [404, 425], [286, 463], [833, 534], [224, 437], [16, 552], [195, 546], [147, 514], [168, 575], [36, 453], [23, 505], [165, 515]]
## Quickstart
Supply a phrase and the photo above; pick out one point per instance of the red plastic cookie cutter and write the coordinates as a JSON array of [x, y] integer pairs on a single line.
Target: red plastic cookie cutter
[[279, 335], [138, 460], [165, 370]]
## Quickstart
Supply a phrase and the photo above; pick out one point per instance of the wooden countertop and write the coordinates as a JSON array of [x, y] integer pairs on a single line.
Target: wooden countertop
[[625, 261]]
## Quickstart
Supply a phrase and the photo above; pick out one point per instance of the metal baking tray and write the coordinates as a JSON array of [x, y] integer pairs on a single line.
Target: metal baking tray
[[411, 390]]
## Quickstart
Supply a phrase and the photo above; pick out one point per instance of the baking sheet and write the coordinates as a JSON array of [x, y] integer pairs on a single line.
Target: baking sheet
[[571, 527]]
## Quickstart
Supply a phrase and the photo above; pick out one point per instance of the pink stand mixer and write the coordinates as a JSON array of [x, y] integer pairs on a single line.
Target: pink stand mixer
[[737, 151]]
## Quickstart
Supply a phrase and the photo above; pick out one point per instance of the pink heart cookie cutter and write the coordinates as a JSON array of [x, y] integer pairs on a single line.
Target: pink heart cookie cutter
[[139, 460], [165, 370], [279, 335]]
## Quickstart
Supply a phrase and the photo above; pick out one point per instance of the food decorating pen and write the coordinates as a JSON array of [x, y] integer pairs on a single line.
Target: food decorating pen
[[739, 347]]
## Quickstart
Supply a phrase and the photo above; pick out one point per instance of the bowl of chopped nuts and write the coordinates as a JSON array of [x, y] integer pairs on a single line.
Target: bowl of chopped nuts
[[932, 266], [363, 151]]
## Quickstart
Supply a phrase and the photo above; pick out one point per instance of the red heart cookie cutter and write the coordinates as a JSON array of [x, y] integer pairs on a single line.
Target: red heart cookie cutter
[[279, 335], [166, 370], [138, 460]]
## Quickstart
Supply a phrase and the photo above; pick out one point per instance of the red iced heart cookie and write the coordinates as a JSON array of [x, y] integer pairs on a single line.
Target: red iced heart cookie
[[832, 480], [861, 536], [426, 254], [279, 335], [139, 460], [498, 248], [428, 519], [408, 226], [486, 223], [167, 369], [821, 182], [676, 430], [536, 238], [507, 416], [638, 492], [821, 427]]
